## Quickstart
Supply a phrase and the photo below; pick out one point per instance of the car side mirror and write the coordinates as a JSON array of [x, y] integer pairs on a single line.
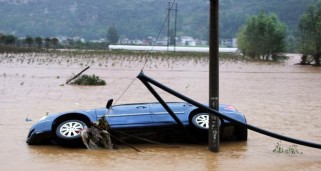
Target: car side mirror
[[109, 103]]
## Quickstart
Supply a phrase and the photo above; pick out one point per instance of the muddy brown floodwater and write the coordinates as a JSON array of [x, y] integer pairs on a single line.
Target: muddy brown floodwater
[[283, 98]]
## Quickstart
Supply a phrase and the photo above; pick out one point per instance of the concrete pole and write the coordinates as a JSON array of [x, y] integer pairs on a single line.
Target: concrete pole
[[214, 125], [175, 27], [168, 23]]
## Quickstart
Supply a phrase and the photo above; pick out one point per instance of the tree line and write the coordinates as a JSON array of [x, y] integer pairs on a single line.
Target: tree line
[[262, 37], [11, 42], [28, 41], [39, 42], [265, 37]]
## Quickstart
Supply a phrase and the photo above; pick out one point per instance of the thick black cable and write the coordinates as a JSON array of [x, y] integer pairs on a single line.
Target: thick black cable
[[143, 78]]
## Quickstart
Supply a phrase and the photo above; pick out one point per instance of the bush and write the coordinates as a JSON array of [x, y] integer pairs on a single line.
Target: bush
[[89, 80]]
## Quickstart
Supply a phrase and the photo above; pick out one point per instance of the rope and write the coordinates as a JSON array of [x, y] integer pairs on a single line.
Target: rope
[[132, 82], [142, 69], [167, 16]]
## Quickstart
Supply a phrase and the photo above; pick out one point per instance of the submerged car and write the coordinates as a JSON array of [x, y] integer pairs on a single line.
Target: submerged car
[[64, 128]]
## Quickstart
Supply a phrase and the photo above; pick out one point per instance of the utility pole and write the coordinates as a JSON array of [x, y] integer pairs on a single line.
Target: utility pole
[[214, 122], [175, 27], [170, 8], [168, 23]]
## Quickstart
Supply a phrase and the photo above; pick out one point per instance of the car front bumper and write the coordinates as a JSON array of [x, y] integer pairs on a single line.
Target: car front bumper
[[35, 137], [40, 133]]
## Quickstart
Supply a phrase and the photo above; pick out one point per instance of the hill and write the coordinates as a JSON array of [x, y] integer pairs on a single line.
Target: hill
[[134, 19]]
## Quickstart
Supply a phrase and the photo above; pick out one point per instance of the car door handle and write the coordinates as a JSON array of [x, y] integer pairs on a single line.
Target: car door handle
[[141, 107]]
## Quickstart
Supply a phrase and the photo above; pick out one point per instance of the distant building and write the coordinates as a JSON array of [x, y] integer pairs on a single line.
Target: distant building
[[150, 41], [98, 41], [126, 41], [137, 42], [228, 43], [162, 42], [201, 43], [187, 41], [69, 40], [77, 38]]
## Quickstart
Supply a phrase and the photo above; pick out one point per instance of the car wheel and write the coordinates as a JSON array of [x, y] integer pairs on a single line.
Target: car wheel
[[200, 120], [68, 132]]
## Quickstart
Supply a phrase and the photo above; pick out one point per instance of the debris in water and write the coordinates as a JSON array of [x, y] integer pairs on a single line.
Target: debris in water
[[97, 136], [28, 119], [89, 80]]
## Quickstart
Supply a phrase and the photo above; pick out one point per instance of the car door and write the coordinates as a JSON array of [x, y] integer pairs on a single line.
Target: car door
[[162, 117], [130, 115]]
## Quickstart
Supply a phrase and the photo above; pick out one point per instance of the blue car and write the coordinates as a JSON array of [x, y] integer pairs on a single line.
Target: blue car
[[64, 128]]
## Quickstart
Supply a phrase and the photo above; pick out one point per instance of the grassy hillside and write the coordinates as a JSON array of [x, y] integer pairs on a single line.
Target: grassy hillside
[[134, 19]]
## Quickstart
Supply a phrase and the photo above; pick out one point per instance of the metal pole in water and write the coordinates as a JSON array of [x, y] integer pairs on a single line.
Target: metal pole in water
[[175, 27], [168, 24], [214, 125]]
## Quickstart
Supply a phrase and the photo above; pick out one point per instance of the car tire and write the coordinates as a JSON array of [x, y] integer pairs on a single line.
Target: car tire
[[200, 120], [68, 132]]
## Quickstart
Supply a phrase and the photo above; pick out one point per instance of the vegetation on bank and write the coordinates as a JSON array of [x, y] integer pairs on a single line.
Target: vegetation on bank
[[11, 42], [88, 80], [309, 35], [280, 148], [123, 59], [263, 37]]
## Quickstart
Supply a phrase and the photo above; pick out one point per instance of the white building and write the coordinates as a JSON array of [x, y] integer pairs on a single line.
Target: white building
[[187, 41]]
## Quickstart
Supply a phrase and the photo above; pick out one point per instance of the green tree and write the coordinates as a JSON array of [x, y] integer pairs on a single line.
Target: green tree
[[309, 37], [2, 38], [55, 42], [29, 41], [262, 37], [38, 41], [10, 40], [47, 42], [112, 35]]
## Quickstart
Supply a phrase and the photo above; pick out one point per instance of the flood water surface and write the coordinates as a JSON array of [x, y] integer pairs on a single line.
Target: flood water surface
[[282, 98]]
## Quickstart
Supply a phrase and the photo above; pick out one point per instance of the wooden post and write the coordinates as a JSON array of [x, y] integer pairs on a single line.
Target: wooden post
[[214, 125]]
